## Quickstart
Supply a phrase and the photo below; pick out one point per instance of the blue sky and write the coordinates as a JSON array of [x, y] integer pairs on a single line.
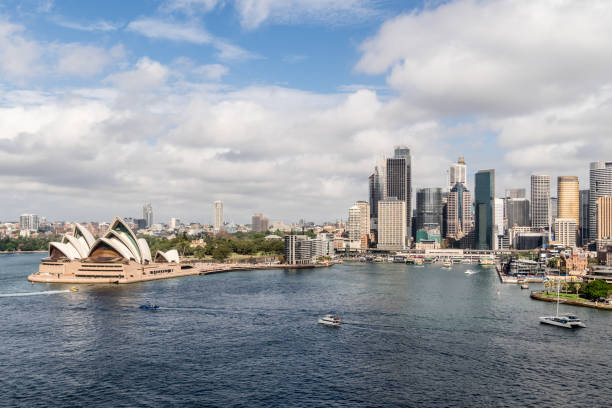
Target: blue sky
[[284, 106]]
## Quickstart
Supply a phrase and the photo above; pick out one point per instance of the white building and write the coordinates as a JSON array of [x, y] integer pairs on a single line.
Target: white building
[[174, 223], [218, 216], [457, 173], [353, 227], [498, 221], [392, 224], [565, 231], [540, 201], [29, 222]]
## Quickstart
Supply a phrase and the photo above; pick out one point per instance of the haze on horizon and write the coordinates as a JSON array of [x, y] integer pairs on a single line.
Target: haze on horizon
[[283, 106]]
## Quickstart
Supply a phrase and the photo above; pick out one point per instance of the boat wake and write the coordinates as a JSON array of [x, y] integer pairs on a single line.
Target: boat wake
[[48, 292]]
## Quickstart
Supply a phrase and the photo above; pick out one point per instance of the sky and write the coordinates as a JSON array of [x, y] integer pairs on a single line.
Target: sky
[[284, 106]]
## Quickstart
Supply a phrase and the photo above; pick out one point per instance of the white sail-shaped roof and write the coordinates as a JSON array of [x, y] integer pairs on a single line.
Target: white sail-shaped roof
[[68, 250], [144, 250], [115, 244], [168, 256], [81, 231], [119, 225], [123, 237], [78, 243]]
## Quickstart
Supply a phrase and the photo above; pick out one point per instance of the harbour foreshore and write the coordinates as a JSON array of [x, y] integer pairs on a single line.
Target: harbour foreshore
[[123, 274], [539, 295]]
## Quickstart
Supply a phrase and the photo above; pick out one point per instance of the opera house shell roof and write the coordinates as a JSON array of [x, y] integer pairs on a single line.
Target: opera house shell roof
[[118, 244]]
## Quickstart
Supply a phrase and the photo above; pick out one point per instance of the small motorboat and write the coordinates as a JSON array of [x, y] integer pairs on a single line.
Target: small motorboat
[[149, 306], [470, 272], [74, 289], [330, 320], [524, 286], [447, 265]]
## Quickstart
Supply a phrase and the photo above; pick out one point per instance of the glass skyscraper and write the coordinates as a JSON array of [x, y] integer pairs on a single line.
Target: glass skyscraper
[[484, 195], [399, 182], [600, 178], [428, 207]]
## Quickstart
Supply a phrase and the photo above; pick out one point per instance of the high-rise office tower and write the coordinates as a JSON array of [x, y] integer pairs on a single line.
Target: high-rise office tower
[[377, 191], [540, 201], [399, 182], [428, 207], [499, 216], [459, 222], [218, 216], [565, 231], [600, 180], [604, 217], [29, 222], [354, 218], [516, 193], [147, 214], [583, 223], [256, 221], [364, 222], [568, 196], [174, 223], [554, 209], [392, 224], [484, 200], [568, 199], [517, 212], [457, 173]]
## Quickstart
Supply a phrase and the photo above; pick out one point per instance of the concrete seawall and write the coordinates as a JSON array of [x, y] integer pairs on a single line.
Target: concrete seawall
[[584, 303]]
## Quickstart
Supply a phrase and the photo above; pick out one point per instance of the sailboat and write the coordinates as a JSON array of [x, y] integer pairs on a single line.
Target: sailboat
[[569, 321]]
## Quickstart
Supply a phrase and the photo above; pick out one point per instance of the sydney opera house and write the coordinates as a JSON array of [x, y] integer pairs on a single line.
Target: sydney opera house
[[117, 257]]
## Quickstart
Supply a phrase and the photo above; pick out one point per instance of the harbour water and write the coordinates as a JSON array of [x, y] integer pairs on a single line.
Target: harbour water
[[414, 336]]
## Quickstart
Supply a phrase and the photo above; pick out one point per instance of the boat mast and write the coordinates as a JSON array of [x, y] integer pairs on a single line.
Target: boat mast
[[558, 286]]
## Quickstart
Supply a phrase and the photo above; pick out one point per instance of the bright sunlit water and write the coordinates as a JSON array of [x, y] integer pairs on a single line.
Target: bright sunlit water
[[414, 336]]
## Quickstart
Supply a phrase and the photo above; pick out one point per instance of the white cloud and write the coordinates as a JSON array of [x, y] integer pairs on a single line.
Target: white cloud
[[253, 13], [18, 55], [475, 57], [148, 75], [211, 71], [156, 28], [86, 60], [191, 33], [189, 6], [100, 25]]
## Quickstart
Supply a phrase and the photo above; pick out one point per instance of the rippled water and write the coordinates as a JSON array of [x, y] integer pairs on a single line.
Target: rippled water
[[413, 337]]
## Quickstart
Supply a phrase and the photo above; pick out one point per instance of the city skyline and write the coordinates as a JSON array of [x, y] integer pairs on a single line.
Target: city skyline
[[185, 103]]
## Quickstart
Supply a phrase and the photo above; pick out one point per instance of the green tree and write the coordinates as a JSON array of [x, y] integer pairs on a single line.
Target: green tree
[[221, 252], [596, 289]]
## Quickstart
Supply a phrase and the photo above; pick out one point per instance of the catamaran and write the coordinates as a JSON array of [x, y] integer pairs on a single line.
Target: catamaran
[[569, 321]]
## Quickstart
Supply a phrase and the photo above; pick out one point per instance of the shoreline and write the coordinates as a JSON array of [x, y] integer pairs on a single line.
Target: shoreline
[[194, 269], [36, 251], [537, 295]]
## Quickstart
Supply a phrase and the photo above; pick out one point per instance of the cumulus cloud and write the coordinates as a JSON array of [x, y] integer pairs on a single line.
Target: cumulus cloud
[[18, 55], [473, 57], [86, 60]]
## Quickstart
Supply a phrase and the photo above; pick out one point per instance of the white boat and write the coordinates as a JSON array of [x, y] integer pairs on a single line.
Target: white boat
[[568, 321], [330, 320], [470, 272], [447, 265]]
